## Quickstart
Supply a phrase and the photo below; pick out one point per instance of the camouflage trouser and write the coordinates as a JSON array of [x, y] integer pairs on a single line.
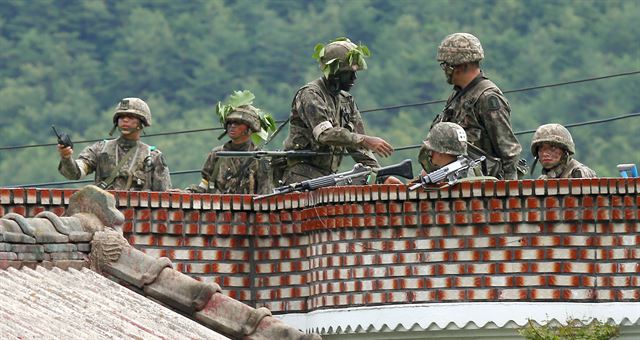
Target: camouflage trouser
[[302, 172]]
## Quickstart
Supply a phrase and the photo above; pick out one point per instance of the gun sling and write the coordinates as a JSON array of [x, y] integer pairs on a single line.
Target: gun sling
[[107, 182]]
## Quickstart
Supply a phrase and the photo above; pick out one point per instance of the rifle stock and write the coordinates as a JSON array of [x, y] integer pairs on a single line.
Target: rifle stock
[[402, 169]]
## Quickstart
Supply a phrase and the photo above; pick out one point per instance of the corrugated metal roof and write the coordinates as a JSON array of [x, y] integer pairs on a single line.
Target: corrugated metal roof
[[72, 304], [459, 316]]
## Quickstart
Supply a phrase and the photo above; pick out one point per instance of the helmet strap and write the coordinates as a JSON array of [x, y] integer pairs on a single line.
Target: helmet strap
[[113, 129]]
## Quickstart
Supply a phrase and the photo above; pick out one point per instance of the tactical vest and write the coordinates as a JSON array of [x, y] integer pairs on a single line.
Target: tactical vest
[[234, 175], [134, 174], [461, 109]]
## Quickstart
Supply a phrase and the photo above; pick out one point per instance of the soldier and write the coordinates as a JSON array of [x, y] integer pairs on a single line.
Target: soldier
[[238, 175], [324, 117], [444, 143], [478, 105], [553, 146], [125, 163]]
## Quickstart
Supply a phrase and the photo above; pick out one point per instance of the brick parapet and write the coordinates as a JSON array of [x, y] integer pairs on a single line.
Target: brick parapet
[[529, 240]]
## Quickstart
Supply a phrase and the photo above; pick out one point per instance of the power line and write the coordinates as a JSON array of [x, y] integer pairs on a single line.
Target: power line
[[589, 122], [49, 184], [402, 148], [97, 140], [524, 89]]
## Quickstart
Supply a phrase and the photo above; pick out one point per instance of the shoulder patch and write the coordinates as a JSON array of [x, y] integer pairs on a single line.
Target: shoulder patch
[[493, 103], [152, 148], [577, 173]]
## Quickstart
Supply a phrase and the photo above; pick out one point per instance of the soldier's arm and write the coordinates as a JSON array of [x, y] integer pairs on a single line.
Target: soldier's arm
[[84, 165], [161, 180], [317, 115], [361, 154], [495, 113]]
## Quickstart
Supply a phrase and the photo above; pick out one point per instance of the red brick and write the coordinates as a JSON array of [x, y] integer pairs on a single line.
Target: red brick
[[514, 203], [532, 203], [425, 219]]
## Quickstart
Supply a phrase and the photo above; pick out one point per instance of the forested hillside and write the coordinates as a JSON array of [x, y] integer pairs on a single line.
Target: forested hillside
[[69, 62]]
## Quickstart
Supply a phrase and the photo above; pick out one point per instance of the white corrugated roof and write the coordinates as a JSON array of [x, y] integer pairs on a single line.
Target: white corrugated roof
[[72, 304], [449, 316]]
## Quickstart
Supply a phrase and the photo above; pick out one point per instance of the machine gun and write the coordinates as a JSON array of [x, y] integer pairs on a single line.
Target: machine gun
[[63, 138], [359, 175], [263, 153], [451, 172]]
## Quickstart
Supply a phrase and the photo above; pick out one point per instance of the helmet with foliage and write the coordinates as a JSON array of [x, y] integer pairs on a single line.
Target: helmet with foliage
[[448, 138], [555, 134], [246, 114], [341, 55], [133, 106], [460, 48], [238, 108]]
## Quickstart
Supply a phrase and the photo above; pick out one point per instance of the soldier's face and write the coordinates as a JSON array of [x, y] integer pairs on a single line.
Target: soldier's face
[[128, 124], [448, 71], [550, 155], [237, 130], [439, 159], [347, 79]]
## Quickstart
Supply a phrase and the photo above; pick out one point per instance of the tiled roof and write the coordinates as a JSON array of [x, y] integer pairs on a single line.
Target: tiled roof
[[77, 304], [72, 304]]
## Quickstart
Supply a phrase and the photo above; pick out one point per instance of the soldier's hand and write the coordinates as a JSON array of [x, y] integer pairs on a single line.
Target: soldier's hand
[[378, 145], [65, 152], [393, 180]]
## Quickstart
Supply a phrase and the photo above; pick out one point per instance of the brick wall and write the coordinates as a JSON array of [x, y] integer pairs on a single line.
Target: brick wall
[[556, 240]]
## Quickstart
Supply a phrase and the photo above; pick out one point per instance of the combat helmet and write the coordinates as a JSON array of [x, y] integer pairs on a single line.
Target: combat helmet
[[448, 138], [247, 114], [341, 55], [134, 106], [553, 134], [460, 48]]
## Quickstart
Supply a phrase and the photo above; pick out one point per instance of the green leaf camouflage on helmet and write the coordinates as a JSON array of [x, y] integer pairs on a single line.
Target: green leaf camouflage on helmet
[[238, 108], [341, 55]]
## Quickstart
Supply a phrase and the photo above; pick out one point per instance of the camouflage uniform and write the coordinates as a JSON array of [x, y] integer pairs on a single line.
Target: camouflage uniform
[[328, 121], [145, 170], [234, 175], [480, 108], [568, 167]]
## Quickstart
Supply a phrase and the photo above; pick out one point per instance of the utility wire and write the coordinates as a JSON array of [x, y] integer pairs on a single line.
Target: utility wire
[[402, 148], [589, 122], [283, 122], [48, 184], [524, 89], [97, 140]]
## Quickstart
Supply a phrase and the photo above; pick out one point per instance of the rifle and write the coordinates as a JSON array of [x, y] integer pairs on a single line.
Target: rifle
[[63, 138], [263, 153], [359, 175], [452, 172]]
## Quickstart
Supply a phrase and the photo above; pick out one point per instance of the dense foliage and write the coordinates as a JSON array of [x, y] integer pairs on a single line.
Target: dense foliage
[[573, 330], [68, 63]]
